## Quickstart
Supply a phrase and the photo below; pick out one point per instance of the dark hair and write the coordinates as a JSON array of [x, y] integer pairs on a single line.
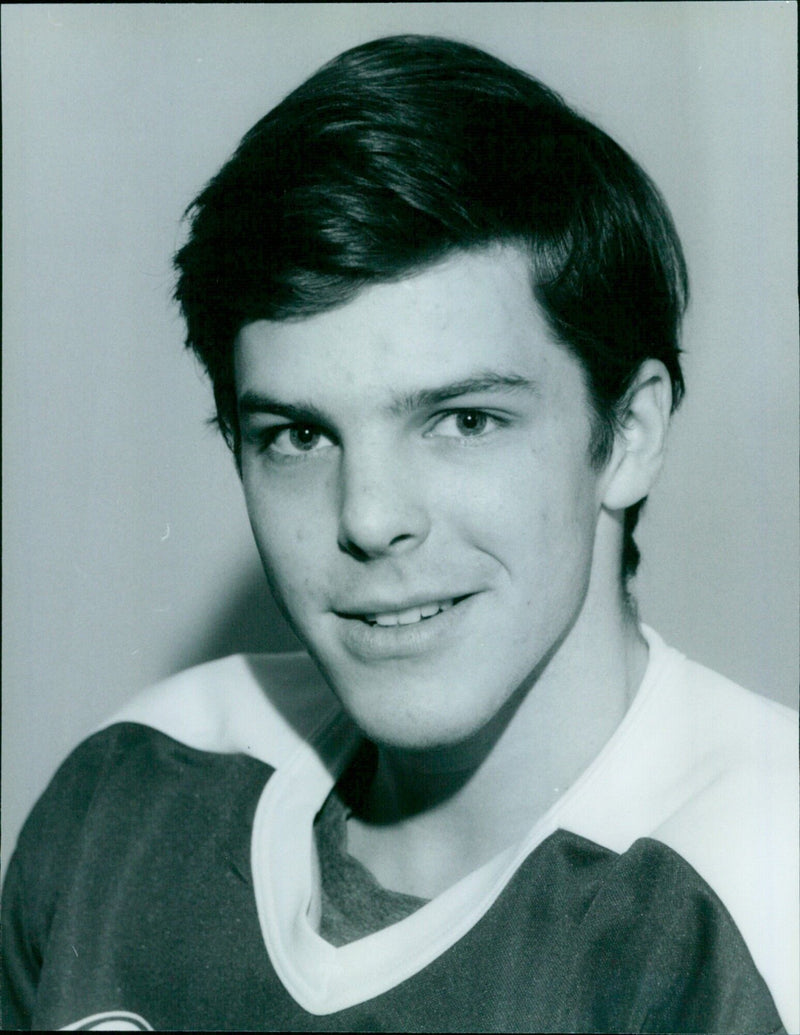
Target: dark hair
[[404, 150]]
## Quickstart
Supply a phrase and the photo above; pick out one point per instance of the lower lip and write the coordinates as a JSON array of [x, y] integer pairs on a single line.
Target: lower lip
[[380, 642]]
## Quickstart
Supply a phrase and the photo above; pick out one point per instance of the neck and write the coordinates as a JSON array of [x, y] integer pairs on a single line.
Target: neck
[[434, 816]]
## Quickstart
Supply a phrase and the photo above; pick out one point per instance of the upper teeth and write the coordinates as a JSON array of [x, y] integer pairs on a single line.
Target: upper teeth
[[411, 615]]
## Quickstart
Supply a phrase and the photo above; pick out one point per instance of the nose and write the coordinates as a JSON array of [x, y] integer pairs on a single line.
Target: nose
[[382, 512]]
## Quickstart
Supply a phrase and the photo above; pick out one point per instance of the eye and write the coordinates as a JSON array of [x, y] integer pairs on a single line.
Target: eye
[[461, 424], [296, 440]]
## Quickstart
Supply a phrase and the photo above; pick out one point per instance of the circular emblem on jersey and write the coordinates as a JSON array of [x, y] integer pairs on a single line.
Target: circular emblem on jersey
[[111, 1020]]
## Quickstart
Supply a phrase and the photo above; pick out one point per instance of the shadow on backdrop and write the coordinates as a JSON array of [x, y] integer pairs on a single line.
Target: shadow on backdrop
[[249, 622]]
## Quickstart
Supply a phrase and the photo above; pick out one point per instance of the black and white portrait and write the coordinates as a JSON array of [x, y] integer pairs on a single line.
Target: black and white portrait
[[400, 517]]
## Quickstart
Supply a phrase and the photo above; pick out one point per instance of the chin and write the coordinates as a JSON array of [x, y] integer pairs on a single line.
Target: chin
[[418, 739], [407, 725]]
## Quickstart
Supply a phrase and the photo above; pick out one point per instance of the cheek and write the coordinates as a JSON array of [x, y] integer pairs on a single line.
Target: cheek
[[277, 525], [545, 537], [293, 537], [531, 508]]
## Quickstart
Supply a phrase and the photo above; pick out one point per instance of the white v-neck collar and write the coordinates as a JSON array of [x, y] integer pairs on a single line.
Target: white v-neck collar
[[323, 978]]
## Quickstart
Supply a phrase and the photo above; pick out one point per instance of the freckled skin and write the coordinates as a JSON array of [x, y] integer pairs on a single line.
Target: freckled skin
[[388, 504]]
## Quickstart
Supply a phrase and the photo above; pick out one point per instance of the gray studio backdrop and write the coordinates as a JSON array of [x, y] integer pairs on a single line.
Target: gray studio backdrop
[[126, 547]]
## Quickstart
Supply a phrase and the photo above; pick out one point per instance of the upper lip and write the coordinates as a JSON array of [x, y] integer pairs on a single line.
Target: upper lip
[[376, 606]]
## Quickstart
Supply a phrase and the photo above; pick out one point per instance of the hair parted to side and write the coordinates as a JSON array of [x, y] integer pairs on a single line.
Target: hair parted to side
[[404, 150]]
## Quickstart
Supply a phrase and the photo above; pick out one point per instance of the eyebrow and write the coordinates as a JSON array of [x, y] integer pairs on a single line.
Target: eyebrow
[[252, 403], [488, 381]]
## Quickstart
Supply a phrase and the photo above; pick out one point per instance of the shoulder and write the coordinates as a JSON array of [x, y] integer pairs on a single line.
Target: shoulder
[[728, 725], [738, 763], [699, 761], [710, 770], [204, 732], [702, 745], [657, 948], [62, 809], [735, 810], [742, 727], [123, 783], [256, 707], [260, 705], [733, 775], [51, 844]]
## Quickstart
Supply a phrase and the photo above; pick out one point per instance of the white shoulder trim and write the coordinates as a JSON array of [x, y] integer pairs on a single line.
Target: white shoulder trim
[[711, 770], [263, 705], [740, 831]]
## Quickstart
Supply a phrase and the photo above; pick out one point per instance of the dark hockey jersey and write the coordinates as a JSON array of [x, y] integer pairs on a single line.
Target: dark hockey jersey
[[166, 877]]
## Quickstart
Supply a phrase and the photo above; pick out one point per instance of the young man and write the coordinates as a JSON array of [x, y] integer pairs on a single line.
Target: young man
[[440, 312]]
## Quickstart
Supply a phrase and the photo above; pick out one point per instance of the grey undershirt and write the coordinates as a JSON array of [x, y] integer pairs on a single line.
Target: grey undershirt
[[353, 903]]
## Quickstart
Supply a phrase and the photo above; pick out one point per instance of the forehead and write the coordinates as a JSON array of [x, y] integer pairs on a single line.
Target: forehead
[[473, 314]]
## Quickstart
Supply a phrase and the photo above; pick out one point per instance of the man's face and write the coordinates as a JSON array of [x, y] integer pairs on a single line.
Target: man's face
[[417, 475]]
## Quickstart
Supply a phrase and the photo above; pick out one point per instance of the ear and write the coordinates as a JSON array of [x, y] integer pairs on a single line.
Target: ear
[[641, 437]]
